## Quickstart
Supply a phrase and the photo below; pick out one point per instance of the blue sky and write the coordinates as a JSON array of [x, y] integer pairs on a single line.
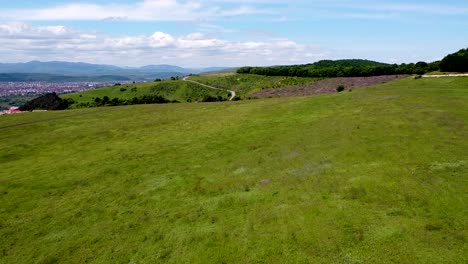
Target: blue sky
[[230, 32]]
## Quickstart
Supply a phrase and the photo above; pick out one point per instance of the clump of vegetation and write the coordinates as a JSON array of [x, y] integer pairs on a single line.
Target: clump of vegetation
[[209, 98], [340, 88], [49, 101], [456, 62], [123, 89], [145, 99]]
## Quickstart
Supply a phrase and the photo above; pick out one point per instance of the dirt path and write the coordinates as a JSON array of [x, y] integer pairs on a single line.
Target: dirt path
[[445, 75], [233, 93]]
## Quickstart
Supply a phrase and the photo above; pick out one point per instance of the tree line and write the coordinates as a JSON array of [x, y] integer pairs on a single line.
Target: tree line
[[456, 62], [145, 99], [342, 68]]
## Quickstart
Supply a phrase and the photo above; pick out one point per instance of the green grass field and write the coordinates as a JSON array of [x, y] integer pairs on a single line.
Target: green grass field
[[376, 175]]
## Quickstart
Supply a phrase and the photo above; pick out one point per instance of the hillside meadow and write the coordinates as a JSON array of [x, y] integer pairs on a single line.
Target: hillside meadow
[[376, 175], [246, 84], [177, 90]]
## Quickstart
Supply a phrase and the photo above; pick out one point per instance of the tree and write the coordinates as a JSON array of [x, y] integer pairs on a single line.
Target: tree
[[455, 62]]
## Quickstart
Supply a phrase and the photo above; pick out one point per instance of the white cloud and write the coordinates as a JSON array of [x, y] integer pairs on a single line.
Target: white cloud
[[160, 39], [23, 42], [23, 30]]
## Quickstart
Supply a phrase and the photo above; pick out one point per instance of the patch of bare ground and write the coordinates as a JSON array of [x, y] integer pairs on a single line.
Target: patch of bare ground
[[328, 85]]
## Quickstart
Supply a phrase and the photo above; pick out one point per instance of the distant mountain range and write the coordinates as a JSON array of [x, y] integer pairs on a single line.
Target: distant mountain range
[[64, 71]]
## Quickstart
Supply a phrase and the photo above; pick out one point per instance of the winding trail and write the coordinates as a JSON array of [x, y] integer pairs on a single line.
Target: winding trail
[[233, 93]]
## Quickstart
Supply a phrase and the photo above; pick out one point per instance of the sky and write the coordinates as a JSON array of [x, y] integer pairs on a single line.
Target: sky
[[230, 33]]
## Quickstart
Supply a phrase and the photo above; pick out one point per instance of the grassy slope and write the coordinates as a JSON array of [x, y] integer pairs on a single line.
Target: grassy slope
[[369, 176], [246, 84], [172, 90], [243, 84]]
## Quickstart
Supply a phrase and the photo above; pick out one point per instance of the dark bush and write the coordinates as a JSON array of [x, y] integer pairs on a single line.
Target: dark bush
[[49, 101], [123, 89], [340, 88], [209, 98]]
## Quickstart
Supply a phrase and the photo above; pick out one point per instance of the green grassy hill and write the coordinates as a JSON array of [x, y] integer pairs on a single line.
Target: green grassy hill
[[247, 84], [376, 175], [243, 84], [173, 90]]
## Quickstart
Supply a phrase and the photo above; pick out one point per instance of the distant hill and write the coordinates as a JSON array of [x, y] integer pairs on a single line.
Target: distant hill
[[163, 68], [91, 71], [61, 68], [44, 77]]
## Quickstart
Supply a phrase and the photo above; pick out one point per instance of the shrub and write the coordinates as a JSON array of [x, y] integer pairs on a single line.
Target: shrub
[[50, 101], [340, 88], [123, 89]]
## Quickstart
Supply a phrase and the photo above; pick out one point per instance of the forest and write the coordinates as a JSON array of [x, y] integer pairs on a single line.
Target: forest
[[343, 68]]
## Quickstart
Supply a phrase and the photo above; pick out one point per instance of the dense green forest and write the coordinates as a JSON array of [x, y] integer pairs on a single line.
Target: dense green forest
[[455, 62], [343, 68]]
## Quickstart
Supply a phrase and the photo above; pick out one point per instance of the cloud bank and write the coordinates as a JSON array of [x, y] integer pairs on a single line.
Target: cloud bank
[[23, 42]]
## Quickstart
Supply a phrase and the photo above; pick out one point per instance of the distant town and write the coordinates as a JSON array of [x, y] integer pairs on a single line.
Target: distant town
[[39, 88]]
